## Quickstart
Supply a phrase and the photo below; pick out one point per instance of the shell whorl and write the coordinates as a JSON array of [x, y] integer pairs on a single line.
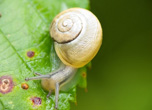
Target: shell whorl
[[66, 26], [78, 36]]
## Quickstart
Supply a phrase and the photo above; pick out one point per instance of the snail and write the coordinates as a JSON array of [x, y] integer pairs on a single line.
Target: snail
[[77, 36]]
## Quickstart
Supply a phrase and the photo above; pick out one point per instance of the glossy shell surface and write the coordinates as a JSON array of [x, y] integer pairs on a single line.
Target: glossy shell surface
[[78, 36]]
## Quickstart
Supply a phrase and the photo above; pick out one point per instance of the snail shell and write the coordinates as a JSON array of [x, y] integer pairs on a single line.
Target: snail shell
[[78, 36]]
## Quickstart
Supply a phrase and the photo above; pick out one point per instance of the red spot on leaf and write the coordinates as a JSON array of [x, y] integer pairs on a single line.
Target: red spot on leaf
[[25, 86], [84, 75], [30, 54], [76, 103], [86, 90], [36, 101], [6, 84]]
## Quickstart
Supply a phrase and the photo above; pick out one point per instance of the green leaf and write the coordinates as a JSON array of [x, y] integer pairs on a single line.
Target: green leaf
[[26, 48]]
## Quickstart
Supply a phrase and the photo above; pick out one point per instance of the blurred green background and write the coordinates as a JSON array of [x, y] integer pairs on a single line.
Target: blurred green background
[[121, 74]]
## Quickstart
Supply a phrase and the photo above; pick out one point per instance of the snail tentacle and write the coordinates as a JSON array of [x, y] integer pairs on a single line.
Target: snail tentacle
[[56, 95]]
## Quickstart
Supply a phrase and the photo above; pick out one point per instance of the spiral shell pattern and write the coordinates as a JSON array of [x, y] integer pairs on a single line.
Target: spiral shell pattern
[[66, 28], [78, 36]]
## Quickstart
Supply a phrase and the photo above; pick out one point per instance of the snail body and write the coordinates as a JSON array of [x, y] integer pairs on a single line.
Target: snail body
[[61, 76], [77, 36]]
